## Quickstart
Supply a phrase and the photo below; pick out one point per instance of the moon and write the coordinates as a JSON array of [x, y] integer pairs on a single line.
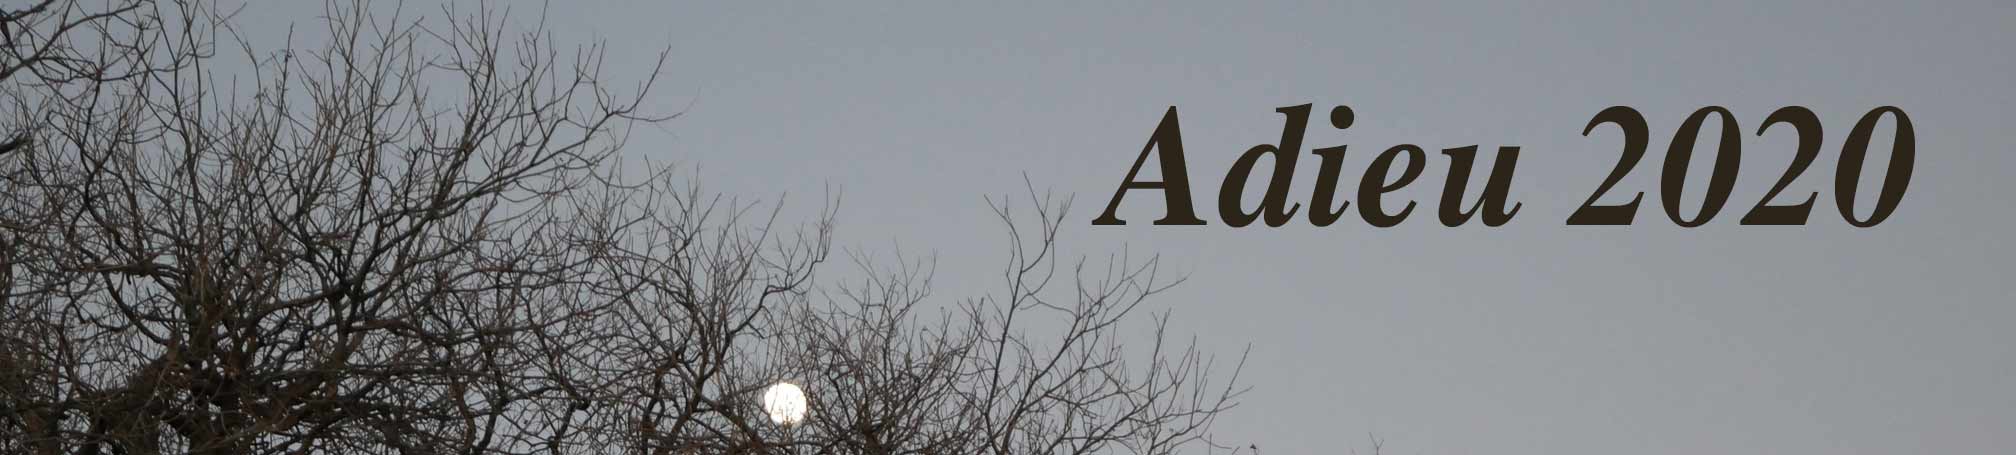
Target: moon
[[785, 403]]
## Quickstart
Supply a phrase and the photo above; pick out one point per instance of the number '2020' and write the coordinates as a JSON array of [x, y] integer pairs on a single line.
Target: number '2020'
[[1728, 155]]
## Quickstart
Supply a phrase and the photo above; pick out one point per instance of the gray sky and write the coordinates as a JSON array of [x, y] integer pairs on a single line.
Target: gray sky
[[1532, 338]]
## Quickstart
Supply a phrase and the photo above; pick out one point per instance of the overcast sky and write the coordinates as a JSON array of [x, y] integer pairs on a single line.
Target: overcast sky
[[1531, 338]]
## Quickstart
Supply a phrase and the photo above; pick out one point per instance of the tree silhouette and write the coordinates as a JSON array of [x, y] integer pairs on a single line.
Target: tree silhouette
[[417, 237]]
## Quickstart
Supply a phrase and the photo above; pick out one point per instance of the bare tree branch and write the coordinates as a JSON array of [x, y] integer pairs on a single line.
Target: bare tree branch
[[418, 236]]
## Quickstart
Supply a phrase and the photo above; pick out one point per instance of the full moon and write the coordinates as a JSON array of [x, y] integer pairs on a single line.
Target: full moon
[[785, 403]]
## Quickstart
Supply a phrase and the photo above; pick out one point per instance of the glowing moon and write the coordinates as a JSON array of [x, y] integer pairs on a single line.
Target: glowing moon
[[785, 403]]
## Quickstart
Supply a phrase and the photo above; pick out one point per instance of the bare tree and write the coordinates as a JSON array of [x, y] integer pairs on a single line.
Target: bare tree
[[418, 237]]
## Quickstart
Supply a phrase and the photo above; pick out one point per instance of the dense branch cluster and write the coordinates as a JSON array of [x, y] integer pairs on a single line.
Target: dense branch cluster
[[417, 237]]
